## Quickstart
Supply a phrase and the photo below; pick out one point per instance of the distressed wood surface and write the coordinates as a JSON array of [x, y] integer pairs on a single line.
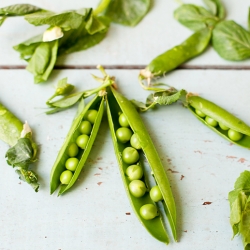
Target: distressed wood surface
[[95, 214]]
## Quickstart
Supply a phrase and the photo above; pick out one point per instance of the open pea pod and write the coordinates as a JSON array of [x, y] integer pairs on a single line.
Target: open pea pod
[[225, 121], [97, 103], [116, 103]]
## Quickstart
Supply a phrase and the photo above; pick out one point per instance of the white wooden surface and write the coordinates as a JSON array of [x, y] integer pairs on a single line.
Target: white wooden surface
[[158, 32], [92, 215]]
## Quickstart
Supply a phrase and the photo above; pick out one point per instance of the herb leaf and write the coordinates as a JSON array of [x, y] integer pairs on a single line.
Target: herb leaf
[[216, 8], [19, 10], [231, 41], [129, 12], [65, 20], [195, 17], [43, 60]]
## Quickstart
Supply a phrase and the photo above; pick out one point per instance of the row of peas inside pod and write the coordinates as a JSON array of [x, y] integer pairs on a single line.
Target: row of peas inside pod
[[132, 144], [77, 146], [134, 172]]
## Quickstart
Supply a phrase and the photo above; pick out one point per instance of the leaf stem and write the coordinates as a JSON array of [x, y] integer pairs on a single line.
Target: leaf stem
[[101, 7]]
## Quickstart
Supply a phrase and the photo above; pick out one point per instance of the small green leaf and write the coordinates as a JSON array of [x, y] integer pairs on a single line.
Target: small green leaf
[[216, 8], [21, 154], [129, 12], [28, 47], [2, 19], [244, 225], [231, 41], [169, 96], [212, 6], [94, 25], [63, 87], [28, 176], [19, 10], [195, 17], [65, 20], [43, 60], [243, 181]]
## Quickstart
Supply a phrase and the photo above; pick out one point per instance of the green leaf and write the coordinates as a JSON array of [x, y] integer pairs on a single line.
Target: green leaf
[[243, 181], [216, 8], [167, 97], [43, 60], [231, 41], [195, 17], [129, 12], [80, 39], [244, 225], [66, 20], [21, 154], [28, 176], [95, 25], [2, 19], [28, 47], [63, 87], [19, 10]]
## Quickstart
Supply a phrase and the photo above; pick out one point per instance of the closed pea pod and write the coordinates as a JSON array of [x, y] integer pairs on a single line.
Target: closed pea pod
[[229, 126], [116, 103], [97, 104]]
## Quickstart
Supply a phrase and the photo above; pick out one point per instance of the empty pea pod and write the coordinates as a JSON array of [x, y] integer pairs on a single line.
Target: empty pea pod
[[219, 120], [143, 205], [96, 105]]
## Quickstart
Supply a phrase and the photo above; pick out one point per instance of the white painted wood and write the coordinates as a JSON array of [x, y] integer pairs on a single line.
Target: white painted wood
[[158, 32], [93, 216]]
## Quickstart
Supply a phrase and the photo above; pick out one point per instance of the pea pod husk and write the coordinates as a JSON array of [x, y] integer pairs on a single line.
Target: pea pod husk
[[220, 115], [59, 166], [169, 60], [10, 126], [117, 103]]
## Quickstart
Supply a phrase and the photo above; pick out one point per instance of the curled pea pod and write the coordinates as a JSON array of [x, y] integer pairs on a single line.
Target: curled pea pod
[[77, 146], [219, 120], [23, 149], [169, 60], [144, 206]]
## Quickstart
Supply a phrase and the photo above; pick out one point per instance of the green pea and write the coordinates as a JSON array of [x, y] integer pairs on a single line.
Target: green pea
[[123, 120], [223, 127], [91, 115], [66, 176], [155, 194], [134, 141], [134, 172], [130, 155], [82, 141], [85, 127], [148, 211], [71, 163], [72, 150], [137, 188], [210, 121], [123, 134], [234, 135], [199, 113]]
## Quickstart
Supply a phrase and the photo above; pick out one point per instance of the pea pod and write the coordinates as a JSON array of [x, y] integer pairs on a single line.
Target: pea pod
[[117, 103], [210, 109], [169, 60], [97, 103], [23, 150]]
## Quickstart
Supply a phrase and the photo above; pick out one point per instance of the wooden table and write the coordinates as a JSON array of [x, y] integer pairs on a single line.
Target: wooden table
[[96, 214]]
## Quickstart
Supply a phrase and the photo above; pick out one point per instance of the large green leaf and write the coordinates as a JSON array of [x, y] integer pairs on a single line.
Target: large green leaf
[[127, 12], [231, 41], [195, 17]]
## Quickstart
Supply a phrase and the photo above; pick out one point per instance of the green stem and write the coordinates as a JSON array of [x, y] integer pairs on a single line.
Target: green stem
[[101, 7], [148, 87], [106, 83]]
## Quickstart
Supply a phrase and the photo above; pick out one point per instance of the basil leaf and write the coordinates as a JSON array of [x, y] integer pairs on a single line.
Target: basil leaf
[[21, 154], [195, 17], [19, 10], [94, 25], [244, 226], [27, 48], [43, 60], [231, 41], [216, 8], [243, 182], [66, 20], [127, 12]]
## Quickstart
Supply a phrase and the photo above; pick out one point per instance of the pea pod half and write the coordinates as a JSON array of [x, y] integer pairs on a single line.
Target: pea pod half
[[169, 60], [225, 123], [97, 104], [117, 103]]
